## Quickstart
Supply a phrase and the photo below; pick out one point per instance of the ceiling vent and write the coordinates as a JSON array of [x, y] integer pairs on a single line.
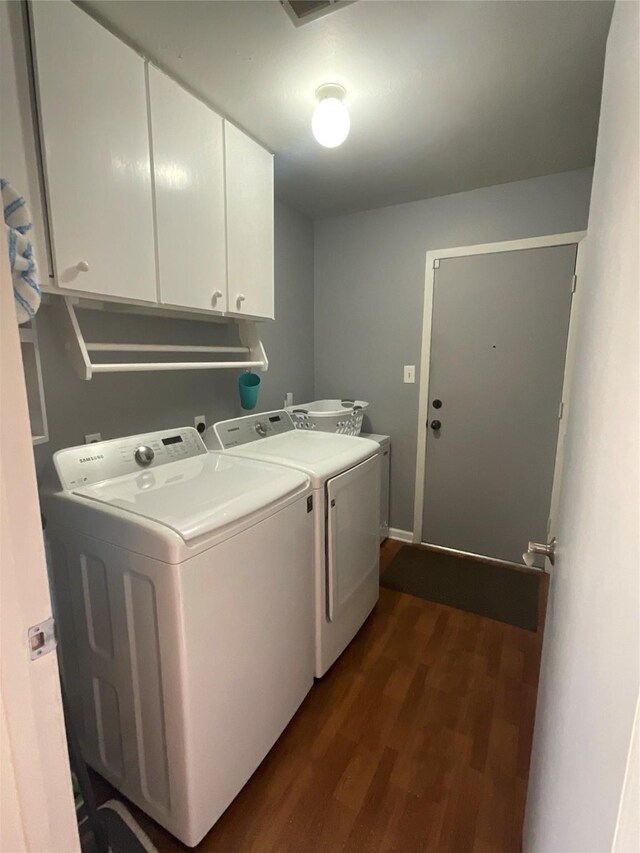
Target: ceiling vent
[[304, 11]]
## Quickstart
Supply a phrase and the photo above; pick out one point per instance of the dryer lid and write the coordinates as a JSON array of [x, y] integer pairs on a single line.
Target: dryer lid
[[321, 455], [200, 495]]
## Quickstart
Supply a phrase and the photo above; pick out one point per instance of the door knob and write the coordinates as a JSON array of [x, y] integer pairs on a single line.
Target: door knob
[[82, 266], [144, 455], [435, 425], [548, 551]]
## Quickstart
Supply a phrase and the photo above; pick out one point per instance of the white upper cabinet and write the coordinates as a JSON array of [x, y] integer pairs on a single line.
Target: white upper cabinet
[[93, 113], [188, 166], [151, 196], [250, 264]]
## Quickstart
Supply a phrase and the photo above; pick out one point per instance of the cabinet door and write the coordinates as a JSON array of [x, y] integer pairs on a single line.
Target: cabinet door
[[188, 167], [250, 275], [93, 114]]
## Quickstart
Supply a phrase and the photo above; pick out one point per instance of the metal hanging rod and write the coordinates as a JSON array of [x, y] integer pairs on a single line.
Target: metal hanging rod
[[159, 348], [172, 365]]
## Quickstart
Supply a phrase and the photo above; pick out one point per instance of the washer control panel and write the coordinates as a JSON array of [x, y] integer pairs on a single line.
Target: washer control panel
[[240, 431], [92, 463]]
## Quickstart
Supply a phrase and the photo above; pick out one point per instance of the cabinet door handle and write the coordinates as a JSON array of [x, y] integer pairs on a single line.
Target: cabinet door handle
[[240, 299], [82, 266], [217, 294]]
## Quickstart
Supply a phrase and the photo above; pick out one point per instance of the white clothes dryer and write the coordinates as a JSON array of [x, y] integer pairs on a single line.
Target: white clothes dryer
[[345, 476], [384, 441]]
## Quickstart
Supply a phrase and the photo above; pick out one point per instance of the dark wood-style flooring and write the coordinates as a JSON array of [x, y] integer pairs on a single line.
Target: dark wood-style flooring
[[418, 739]]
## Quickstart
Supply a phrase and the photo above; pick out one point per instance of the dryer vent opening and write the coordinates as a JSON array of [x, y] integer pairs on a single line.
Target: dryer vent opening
[[304, 11]]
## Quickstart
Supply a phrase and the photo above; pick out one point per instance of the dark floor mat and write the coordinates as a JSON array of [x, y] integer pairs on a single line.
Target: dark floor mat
[[498, 592], [124, 833]]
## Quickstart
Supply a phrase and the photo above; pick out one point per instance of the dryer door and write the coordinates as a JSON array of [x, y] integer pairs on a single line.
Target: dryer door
[[353, 510]]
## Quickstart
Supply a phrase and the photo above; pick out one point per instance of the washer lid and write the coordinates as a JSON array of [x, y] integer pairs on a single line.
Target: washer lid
[[200, 495], [319, 454]]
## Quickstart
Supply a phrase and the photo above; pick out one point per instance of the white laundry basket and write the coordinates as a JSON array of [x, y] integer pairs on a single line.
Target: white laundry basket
[[342, 416]]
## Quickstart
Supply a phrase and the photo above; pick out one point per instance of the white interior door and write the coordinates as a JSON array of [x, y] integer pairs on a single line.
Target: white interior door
[[36, 807], [498, 343], [353, 526]]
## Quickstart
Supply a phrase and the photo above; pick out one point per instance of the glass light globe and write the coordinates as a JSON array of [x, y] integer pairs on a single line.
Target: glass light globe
[[330, 123]]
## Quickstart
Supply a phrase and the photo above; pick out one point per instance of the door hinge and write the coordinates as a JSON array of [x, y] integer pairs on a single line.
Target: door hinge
[[548, 525], [574, 283], [560, 411], [436, 263], [42, 638]]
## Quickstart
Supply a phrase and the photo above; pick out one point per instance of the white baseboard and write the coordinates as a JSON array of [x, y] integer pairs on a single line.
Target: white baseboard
[[400, 535]]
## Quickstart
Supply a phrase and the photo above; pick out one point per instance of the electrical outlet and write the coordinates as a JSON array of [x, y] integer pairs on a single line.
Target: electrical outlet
[[92, 437], [409, 373], [200, 423]]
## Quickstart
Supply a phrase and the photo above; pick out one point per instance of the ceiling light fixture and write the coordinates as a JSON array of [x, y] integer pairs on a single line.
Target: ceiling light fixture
[[330, 123]]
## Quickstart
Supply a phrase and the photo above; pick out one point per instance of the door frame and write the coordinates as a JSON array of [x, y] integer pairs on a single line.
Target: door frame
[[434, 256], [37, 810]]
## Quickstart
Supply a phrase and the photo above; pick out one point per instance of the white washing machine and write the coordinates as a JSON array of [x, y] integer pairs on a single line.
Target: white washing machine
[[345, 475], [183, 583]]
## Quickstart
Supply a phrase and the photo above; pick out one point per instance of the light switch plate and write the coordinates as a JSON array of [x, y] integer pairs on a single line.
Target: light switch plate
[[409, 373]]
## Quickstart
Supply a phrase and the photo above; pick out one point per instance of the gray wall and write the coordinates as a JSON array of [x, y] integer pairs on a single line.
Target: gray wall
[[289, 340], [124, 404], [369, 286]]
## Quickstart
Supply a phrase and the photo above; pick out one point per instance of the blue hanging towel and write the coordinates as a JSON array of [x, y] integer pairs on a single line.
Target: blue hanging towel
[[17, 223]]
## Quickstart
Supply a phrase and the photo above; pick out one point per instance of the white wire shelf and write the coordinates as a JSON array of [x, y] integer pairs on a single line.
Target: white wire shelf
[[79, 349]]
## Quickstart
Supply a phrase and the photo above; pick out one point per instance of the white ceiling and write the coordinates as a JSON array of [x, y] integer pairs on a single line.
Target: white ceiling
[[443, 96]]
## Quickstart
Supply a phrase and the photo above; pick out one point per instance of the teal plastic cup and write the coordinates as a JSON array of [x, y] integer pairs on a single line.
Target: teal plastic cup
[[249, 385]]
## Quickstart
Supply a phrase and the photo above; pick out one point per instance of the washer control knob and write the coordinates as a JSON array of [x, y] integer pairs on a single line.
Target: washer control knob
[[261, 428], [144, 455]]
